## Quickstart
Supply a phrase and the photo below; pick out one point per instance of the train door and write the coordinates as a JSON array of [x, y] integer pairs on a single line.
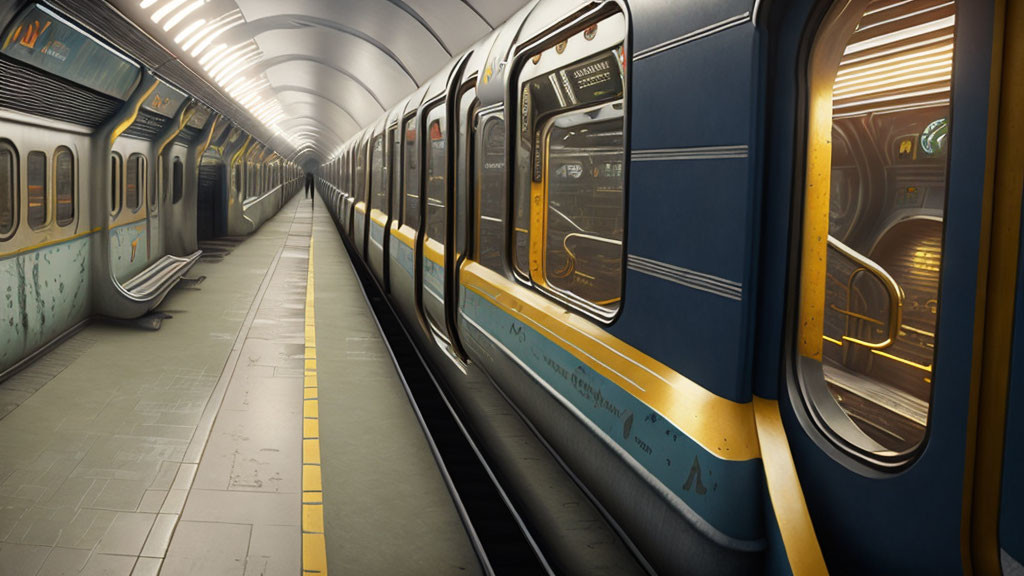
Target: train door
[[896, 363], [462, 209], [376, 222], [155, 239], [211, 210], [434, 230]]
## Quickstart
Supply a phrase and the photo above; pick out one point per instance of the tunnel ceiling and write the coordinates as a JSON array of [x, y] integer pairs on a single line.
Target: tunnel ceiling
[[316, 71]]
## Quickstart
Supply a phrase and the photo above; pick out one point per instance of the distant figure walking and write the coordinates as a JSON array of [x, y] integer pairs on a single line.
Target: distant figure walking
[[309, 185]]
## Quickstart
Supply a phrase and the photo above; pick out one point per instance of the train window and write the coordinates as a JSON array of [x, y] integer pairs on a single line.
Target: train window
[[8, 188], [115, 183], [238, 181], [153, 198], [436, 173], [464, 173], [360, 173], [134, 181], [396, 174], [64, 182], [379, 175], [178, 181], [36, 179], [490, 160], [410, 179], [873, 221], [570, 185]]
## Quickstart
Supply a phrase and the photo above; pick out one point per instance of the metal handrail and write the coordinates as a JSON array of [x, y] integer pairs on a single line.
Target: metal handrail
[[895, 292]]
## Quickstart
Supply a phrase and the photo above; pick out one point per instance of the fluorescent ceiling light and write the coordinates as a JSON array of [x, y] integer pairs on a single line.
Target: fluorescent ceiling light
[[184, 34], [181, 14], [165, 10], [230, 23], [212, 53]]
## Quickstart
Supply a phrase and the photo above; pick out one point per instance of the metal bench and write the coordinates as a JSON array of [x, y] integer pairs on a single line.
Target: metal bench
[[157, 280]]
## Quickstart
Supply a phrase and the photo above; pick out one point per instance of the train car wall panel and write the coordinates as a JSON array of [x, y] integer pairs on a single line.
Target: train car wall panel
[[684, 306], [912, 511], [691, 186], [713, 108], [664, 24], [723, 492], [45, 293], [1011, 510], [128, 249]]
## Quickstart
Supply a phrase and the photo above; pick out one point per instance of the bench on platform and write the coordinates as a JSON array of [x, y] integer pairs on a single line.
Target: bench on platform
[[158, 279]]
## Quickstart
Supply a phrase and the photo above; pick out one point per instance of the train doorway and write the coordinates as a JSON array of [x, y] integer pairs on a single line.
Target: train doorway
[[899, 390], [211, 211]]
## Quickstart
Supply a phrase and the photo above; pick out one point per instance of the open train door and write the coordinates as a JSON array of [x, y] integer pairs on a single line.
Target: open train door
[[211, 211], [893, 235]]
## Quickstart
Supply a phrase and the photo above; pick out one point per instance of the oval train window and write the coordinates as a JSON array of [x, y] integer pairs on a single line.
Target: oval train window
[[879, 122], [64, 181], [36, 180], [8, 189], [178, 181]]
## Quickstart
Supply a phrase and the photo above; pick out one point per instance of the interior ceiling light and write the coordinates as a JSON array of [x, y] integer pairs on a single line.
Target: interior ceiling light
[[211, 31], [184, 34], [181, 14], [223, 62], [166, 9], [915, 62]]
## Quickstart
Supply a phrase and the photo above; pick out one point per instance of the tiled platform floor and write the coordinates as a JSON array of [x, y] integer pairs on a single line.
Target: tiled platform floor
[[174, 452]]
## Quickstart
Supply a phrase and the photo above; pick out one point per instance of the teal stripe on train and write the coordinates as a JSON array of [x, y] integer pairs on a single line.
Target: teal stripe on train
[[129, 250], [726, 494], [376, 233]]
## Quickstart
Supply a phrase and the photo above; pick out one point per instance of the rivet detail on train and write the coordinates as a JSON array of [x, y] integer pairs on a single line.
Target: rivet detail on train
[[690, 278], [692, 36], [696, 153]]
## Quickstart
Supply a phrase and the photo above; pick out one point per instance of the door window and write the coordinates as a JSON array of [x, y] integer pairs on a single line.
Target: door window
[[36, 189], [569, 194], [873, 221], [64, 180], [437, 173]]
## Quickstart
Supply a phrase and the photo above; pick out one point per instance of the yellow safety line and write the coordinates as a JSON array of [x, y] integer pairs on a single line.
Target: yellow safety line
[[314, 550]]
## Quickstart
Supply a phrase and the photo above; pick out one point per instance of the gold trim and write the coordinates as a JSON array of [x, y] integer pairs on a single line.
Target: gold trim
[[184, 117], [434, 251], [787, 497], [127, 122], [840, 22], [1004, 174], [721, 426], [406, 235], [5, 255], [379, 217]]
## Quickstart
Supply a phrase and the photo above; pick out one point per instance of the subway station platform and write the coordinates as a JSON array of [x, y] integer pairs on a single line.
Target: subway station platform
[[228, 442]]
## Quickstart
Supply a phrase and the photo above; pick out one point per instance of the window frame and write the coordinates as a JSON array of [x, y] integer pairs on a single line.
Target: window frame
[[116, 184], [484, 117], [15, 195], [46, 191], [177, 182], [372, 191], [394, 139], [524, 53], [423, 150], [140, 181], [408, 166], [808, 397], [56, 187]]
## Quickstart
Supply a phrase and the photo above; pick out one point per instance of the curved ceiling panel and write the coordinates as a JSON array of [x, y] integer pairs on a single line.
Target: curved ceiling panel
[[314, 72]]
